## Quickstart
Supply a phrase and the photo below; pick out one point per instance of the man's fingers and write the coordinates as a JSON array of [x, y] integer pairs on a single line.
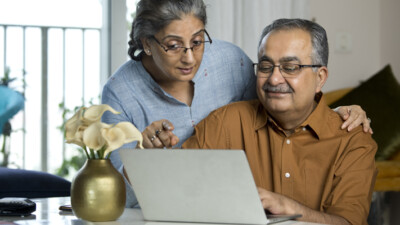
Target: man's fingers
[[267, 200]]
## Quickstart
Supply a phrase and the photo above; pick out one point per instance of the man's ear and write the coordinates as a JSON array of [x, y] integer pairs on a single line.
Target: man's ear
[[322, 76]]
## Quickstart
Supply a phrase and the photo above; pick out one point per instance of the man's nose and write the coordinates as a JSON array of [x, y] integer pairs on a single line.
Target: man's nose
[[276, 76]]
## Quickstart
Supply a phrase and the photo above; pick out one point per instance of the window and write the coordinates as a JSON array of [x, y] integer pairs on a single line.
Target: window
[[54, 54]]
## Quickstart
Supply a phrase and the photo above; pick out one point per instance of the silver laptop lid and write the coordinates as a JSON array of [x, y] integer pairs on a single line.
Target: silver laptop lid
[[212, 186]]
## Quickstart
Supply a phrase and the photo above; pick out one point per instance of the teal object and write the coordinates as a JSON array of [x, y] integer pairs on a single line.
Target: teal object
[[10, 103]]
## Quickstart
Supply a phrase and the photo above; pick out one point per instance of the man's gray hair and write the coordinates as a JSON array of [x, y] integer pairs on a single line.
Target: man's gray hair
[[319, 39], [153, 15]]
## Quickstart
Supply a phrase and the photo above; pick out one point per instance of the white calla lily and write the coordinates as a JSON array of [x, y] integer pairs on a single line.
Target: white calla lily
[[95, 112], [77, 142], [73, 125], [120, 134], [115, 138], [92, 137], [131, 132], [86, 130]]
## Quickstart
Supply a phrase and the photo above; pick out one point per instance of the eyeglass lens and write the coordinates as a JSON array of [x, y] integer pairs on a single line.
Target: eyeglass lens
[[286, 69], [178, 48]]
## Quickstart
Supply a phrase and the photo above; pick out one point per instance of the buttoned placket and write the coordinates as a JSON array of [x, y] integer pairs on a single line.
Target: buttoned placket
[[287, 172], [287, 180]]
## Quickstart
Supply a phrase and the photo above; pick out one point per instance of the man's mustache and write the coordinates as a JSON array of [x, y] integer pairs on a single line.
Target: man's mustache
[[282, 88]]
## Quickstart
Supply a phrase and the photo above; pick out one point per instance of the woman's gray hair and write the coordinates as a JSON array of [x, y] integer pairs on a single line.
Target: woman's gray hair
[[153, 15], [319, 39]]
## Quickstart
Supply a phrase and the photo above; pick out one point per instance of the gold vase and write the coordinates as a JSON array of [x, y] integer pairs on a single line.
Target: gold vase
[[98, 192]]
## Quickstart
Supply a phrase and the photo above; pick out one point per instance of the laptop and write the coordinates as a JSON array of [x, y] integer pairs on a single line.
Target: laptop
[[192, 185]]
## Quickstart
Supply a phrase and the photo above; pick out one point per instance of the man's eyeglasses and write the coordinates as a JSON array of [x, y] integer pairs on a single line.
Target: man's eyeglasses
[[178, 48], [288, 70]]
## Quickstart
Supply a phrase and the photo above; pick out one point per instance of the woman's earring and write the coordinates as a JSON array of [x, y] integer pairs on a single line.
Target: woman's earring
[[147, 51]]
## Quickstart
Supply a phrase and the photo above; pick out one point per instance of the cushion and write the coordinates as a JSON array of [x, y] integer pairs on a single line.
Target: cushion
[[333, 96], [32, 184], [379, 96]]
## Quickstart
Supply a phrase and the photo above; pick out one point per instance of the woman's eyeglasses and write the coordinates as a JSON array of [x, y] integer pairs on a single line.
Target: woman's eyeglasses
[[179, 48]]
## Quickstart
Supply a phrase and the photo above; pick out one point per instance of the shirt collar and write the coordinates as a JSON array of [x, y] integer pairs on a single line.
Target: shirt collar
[[261, 117], [318, 120], [313, 122]]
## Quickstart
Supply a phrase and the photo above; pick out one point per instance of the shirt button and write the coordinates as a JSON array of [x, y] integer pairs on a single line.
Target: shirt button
[[288, 141], [287, 175], [304, 129]]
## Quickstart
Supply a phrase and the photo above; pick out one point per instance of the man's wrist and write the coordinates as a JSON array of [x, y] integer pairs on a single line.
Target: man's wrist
[[291, 206]]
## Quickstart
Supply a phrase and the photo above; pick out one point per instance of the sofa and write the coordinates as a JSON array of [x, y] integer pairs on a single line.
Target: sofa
[[379, 96], [32, 184]]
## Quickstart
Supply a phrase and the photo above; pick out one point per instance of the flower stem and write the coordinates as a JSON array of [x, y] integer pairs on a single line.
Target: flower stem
[[99, 155], [101, 152], [108, 155], [92, 155], [86, 152]]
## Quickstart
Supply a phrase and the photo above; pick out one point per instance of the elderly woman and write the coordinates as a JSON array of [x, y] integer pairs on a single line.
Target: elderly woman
[[178, 75]]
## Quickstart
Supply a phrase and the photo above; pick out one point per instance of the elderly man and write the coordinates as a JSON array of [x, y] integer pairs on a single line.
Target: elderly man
[[301, 159]]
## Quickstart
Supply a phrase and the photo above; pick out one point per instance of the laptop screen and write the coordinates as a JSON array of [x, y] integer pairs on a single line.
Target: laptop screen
[[191, 185]]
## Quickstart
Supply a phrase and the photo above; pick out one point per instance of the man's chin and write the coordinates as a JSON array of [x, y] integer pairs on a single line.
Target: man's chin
[[277, 111], [276, 106]]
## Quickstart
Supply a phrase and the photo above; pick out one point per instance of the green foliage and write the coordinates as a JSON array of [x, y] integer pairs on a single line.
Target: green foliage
[[75, 162]]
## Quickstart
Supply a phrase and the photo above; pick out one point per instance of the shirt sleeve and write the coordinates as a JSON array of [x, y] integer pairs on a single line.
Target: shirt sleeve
[[354, 180], [210, 133]]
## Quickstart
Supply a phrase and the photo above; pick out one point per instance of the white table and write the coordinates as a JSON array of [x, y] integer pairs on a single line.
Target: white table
[[47, 212]]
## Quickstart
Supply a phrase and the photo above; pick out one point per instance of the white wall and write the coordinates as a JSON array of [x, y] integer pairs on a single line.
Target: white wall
[[390, 35], [371, 26], [359, 19]]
